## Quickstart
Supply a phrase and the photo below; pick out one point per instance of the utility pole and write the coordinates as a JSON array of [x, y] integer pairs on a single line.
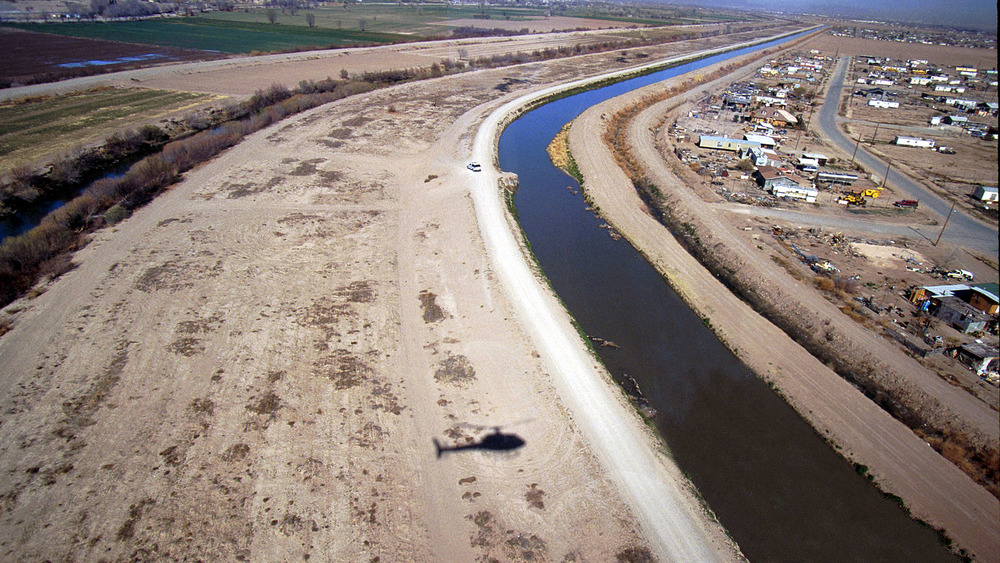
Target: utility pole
[[887, 166], [856, 145], [945, 224], [872, 142]]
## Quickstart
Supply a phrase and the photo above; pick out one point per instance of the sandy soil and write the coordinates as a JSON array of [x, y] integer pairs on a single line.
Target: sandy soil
[[242, 76], [933, 488], [540, 25], [935, 54], [254, 365]]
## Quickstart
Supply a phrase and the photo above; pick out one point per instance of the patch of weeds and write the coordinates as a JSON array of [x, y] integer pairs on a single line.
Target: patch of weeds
[[456, 369], [432, 311], [186, 346], [236, 452], [203, 406], [173, 455], [357, 292], [634, 555], [127, 529], [343, 368], [266, 405], [534, 496]]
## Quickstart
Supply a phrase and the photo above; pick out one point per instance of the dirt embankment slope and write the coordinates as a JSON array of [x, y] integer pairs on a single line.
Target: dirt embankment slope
[[933, 488]]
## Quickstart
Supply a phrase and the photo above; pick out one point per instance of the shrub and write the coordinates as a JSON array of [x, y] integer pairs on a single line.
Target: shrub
[[116, 214]]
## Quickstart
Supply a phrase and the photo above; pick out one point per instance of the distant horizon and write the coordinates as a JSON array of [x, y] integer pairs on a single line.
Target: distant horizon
[[980, 15]]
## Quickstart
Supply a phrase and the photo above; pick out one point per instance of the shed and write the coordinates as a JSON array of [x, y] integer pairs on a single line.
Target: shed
[[985, 193], [959, 314], [984, 297], [978, 356], [821, 159]]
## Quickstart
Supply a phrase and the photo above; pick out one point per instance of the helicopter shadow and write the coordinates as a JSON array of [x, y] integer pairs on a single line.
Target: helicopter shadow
[[496, 441]]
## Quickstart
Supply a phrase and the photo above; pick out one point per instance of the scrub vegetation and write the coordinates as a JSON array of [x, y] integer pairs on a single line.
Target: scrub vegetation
[[30, 128]]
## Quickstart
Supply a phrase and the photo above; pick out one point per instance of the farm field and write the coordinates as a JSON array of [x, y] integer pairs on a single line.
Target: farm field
[[38, 128], [32, 58], [210, 34]]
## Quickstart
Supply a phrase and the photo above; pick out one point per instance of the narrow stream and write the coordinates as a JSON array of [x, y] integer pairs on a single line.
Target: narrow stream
[[776, 486]]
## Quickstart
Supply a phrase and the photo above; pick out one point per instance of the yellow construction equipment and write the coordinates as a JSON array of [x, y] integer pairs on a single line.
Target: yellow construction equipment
[[852, 199]]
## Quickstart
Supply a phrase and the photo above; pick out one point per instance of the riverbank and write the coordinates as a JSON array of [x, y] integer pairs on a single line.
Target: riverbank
[[934, 489]]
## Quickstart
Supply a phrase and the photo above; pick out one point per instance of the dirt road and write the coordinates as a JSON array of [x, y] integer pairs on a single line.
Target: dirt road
[[933, 488]]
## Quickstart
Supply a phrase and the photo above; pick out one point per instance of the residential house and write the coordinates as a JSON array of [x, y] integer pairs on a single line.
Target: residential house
[[755, 154], [762, 140], [766, 176], [773, 116], [914, 142], [788, 188], [883, 104], [724, 143]]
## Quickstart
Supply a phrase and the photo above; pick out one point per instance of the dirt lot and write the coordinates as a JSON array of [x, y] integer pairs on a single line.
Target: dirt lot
[[540, 25], [935, 54], [254, 365]]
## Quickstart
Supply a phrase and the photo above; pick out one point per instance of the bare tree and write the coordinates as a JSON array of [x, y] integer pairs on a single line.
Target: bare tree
[[362, 24], [311, 19], [272, 15]]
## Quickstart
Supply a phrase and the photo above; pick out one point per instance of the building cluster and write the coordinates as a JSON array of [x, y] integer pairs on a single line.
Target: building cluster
[[962, 91], [969, 309], [955, 38], [768, 108]]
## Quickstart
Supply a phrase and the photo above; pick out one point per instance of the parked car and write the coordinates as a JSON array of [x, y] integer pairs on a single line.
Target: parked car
[[907, 203], [474, 166]]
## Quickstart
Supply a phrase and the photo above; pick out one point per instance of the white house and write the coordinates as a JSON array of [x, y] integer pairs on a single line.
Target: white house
[[785, 187], [883, 104], [763, 140], [914, 142], [755, 154], [985, 193]]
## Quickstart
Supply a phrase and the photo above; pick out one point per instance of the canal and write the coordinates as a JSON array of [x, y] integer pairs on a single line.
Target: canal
[[780, 490]]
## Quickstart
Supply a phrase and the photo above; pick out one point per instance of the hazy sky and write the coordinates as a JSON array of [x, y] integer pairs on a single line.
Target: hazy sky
[[979, 14]]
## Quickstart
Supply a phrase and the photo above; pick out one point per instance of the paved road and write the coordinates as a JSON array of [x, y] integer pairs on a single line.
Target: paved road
[[962, 229]]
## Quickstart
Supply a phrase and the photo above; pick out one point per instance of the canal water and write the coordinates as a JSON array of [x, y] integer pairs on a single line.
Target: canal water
[[774, 484]]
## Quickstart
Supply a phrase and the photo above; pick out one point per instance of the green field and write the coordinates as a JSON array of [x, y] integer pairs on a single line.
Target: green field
[[42, 128], [249, 31], [214, 34]]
